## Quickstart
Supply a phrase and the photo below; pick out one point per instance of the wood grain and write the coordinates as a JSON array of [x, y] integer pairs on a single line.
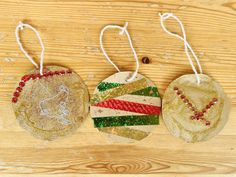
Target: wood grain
[[70, 31]]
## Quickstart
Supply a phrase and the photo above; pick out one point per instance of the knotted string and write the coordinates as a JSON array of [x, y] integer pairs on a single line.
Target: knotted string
[[123, 30], [187, 46], [21, 26]]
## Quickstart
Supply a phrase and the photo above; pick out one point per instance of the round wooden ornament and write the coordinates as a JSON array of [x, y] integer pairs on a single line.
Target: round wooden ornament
[[194, 107], [50, 102], [126, 105]]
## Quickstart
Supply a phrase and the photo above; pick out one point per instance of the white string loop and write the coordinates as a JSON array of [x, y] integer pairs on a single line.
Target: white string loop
[[123, 30], [21, 26], [187, 46]]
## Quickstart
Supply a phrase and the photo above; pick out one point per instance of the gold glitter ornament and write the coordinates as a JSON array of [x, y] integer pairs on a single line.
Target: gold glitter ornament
[[194, 112], [194, 107], [125, 106], [50, 102]]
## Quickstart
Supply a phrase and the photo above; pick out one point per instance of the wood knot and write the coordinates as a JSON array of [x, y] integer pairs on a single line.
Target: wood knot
[[145, 60]]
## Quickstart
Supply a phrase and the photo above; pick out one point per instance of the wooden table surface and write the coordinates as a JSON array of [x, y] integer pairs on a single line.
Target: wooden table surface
[[70, 32]]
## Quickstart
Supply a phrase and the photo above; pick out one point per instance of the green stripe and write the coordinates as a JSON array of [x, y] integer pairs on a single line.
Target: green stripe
[[119, 91], [126, 121], [149, 91], [103, 86]]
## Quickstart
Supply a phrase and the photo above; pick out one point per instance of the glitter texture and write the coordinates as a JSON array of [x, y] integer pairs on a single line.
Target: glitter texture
[[119, 91], [149, 91], [125, 111], [188, 110], [126, 121], [44, 108], [129, 106], [103, 86], [125, 132]]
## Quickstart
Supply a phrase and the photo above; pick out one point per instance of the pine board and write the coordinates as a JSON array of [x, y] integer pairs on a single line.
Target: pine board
[[70, 31]]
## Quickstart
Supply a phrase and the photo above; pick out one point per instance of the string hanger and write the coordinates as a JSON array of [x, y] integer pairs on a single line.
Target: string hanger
[[123, 30], [188, 49], [21, 26]]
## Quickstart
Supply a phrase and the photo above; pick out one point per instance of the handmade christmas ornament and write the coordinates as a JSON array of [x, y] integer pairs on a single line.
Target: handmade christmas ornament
[[194, 107], [50, 101], [126, 105]]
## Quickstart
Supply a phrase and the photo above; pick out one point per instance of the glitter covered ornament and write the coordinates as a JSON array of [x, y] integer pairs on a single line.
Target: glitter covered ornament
[[125, 110], [50, 102], [194, 107], [194, 112], [126, 105]]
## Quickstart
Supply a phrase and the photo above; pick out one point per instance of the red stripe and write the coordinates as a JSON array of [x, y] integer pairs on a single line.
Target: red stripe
[[129, 106]]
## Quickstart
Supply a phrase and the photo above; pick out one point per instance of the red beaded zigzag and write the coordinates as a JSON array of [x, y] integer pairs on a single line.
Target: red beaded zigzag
[[198, 115], [26, 78]]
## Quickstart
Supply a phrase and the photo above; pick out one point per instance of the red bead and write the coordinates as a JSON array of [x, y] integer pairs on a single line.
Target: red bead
[[33, 76], [186, 101], [190, 105], [211, 103], [50, 73], [176, 88], [193, 109], [47, 74], [16, 94], [44, 72], [21, 84], [208, 106], [215, 100], [25, 78], [62, 72], [30, 76], [57, 72], [14, 99], [69, 71], [38, 76], [204, 110], [44, 75], [196, 116], [18, 89], [182, 96], [200, 114], [179, 92], [208, 123]]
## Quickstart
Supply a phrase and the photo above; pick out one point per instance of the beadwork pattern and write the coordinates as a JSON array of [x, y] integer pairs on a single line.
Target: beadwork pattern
[[194, 112], [51, 105], [27, 78], [198, 115]]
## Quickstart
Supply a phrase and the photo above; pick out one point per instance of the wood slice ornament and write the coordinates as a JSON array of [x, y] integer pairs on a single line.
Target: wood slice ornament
[[126, 105], [50, 102], [194, 107]]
